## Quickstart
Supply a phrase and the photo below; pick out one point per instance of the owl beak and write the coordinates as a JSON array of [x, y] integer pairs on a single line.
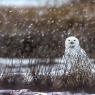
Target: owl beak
[[71, 42]]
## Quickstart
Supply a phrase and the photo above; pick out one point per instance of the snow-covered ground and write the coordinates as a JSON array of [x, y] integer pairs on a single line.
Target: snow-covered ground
[[33, 2], [21, 61], [25, 61], [28, 92], [20, 66]]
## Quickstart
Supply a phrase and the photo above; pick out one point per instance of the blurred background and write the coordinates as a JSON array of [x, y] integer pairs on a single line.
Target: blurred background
[[33, 3], [38, 28]]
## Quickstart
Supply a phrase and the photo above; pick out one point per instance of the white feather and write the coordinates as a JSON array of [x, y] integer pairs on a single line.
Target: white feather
[[75, 56]]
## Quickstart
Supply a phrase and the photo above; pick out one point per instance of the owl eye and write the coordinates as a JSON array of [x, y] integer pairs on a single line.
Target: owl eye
[[74, 40], [68, 40]]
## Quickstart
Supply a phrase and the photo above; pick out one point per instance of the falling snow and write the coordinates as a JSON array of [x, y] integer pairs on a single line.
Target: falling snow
[[36, 36]]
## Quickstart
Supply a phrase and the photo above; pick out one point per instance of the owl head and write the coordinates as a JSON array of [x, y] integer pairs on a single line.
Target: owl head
[[71, 42]]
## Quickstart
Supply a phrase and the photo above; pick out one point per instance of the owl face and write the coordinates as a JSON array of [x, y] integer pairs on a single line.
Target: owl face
[[71, 42]]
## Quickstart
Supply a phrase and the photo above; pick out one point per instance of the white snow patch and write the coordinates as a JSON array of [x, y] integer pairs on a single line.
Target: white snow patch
[[29, 92]]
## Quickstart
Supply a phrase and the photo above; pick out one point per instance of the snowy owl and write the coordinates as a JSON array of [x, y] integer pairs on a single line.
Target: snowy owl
[[75, 56]]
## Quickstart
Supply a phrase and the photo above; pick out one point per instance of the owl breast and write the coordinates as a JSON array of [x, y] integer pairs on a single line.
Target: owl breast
[[72, 54]]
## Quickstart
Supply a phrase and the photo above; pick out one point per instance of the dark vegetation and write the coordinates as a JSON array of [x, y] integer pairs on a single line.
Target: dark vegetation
[[40, 32], [74, 82]]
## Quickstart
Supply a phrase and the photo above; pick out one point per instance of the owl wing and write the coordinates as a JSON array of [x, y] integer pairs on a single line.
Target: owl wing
[[84, 56], [86, 61]]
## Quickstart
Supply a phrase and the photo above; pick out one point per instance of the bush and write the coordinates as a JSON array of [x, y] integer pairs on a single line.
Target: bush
[[33, 32]]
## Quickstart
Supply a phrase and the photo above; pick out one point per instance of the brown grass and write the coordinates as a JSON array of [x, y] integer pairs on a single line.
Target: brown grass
[[73, 82], [44, 35]]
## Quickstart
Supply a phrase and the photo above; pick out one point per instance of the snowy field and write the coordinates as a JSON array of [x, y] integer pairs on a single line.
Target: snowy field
[[32, 2], [25, 61], [20, 67], [28, 92], [53, 70]]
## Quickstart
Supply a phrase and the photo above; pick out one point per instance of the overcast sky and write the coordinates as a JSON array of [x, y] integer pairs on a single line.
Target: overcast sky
[[30, 2]]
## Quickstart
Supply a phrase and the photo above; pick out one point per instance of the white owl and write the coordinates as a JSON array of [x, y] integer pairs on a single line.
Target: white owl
[[76, 58]]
